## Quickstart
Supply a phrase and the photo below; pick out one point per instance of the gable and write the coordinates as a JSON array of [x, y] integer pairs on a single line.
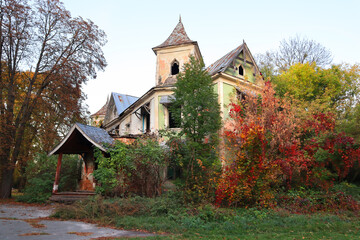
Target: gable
[[81, 138], [242, 60], [111, 112], [118, 103], [230, 63], [122, 101]]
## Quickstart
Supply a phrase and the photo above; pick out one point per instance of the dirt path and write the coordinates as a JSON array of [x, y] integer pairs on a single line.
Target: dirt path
[[19, 222]]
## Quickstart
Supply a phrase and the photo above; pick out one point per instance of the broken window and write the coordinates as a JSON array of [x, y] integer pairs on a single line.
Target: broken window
[[175, 68], [241, 71], [173, 122], [145, 114]]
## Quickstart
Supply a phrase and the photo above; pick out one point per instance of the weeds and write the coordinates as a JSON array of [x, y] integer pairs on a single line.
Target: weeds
[[169, 214]]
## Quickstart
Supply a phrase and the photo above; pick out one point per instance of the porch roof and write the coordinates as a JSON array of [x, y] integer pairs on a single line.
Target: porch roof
[[82, 138]]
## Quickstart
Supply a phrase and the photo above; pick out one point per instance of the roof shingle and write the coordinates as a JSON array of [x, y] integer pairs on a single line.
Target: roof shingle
[[98, 135], [77, 134], [224, 62], [177, 37]]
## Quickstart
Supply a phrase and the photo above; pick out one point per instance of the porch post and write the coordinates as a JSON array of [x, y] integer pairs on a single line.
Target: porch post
[[57, 175]]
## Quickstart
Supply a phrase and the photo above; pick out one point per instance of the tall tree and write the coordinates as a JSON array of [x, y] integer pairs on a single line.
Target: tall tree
[[334, 89], [292, 51], [195, 106], [48, 51]]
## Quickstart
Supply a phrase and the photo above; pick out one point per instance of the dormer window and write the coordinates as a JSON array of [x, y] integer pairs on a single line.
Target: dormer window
[[174, 68], [241, 71]]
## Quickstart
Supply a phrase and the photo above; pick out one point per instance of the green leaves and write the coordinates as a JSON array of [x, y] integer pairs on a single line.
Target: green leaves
[[335, 88], [196, 108], [40, 174], [136, 168], [196, 104]]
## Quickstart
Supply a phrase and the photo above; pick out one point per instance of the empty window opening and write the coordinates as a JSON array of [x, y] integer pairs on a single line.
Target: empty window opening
[[173, 122], [174, 68], [145, 113], [147, 124], [241, 70]]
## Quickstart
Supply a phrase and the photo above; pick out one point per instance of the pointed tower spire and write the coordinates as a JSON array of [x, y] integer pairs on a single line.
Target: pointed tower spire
[[177, 37], [172, 54]]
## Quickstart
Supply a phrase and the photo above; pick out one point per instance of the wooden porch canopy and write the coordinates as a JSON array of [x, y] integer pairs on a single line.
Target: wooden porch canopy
[[80, 139]]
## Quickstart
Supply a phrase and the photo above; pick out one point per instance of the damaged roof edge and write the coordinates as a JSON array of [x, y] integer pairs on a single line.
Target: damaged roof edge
[[122, 101], [222, 63], [132, 106]]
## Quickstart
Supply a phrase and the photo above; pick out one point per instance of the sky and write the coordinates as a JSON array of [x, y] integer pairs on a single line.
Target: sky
[[134, 27]]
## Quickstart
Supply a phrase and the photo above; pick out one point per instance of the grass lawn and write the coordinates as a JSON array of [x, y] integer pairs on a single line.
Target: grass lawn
[[272, 226], [169, 218]]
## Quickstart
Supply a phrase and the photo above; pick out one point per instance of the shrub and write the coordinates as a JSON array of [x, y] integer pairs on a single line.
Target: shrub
[[195, 177], [112, 172], [40, 175], [272, 147], [308, 201], [138, 169], [348, 189]]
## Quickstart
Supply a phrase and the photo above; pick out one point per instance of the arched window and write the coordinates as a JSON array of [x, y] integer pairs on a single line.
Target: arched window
[[174, 68], [241, 71]]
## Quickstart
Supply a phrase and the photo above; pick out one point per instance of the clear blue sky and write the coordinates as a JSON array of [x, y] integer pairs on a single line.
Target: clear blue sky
[[134, 27]]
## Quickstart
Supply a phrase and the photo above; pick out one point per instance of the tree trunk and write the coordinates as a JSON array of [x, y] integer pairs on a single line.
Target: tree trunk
[[6, 183]]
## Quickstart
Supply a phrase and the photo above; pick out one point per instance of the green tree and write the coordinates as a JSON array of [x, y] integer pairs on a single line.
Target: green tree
[[351, 123], [195, 106], [333, 89]]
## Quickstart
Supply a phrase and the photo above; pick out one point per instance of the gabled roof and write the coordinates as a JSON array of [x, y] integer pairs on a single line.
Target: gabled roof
[[122, 101], [223, 63], [94, 136], [136, 105], [177, 37]]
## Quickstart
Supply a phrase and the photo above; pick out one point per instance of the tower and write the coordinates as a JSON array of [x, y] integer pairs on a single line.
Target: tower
[[172, 54]]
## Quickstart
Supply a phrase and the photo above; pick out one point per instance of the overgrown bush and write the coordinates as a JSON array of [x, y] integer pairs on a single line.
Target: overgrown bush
[[348, 189], [310, 201], [170, 203], [197, 177], [40, 176], [113, 171], [270, 147], [138, 168]]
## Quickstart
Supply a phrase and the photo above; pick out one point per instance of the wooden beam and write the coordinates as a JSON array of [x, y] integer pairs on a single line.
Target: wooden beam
[[57, 174], [138, 115], [242, 59], [147, 108]]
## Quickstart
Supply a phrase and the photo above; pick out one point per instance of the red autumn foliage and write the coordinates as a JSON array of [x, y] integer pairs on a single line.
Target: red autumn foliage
[[269, 147]]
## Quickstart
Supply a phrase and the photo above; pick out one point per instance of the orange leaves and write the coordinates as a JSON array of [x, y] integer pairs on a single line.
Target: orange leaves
[[269, 146]]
